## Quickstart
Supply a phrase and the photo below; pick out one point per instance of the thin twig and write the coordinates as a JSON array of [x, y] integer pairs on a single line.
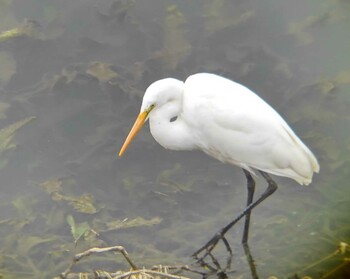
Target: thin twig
[[119, 249], [95, 250]]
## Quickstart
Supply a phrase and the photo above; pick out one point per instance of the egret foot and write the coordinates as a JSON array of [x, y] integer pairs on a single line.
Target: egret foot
[[210, 245]]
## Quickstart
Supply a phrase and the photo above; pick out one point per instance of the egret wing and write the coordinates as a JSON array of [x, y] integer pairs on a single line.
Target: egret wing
[[236, 126]]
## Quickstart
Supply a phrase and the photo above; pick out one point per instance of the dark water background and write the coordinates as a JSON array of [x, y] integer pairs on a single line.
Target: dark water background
[[72, 77]]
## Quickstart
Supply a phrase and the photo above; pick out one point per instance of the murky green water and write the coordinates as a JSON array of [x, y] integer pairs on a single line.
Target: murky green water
[[72, 76]]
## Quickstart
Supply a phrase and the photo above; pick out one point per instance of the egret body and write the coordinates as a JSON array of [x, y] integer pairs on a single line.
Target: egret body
[[229, 122]]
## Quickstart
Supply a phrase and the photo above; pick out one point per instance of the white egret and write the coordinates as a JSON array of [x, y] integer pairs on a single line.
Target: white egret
[[230, 123]]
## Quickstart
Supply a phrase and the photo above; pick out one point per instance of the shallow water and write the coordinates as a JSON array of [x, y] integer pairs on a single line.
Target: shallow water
[[72, 76]]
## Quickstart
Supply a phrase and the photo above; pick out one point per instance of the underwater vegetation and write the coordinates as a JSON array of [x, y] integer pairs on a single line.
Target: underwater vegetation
[[72, 76]]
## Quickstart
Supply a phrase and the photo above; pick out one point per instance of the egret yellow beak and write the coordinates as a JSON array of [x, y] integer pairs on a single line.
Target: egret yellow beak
[[140, 120]]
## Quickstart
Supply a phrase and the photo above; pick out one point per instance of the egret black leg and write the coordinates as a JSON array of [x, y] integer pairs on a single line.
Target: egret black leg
[[210, 245], [250, 260], [250, 190]]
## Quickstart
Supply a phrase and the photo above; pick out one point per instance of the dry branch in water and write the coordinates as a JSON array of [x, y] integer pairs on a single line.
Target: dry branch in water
[[156, 272]]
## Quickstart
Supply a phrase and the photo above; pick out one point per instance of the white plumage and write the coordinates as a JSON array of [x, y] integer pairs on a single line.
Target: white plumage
[[228, 122]]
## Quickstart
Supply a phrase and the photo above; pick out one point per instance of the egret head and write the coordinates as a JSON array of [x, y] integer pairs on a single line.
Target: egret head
[[157, 94], [160, 93]]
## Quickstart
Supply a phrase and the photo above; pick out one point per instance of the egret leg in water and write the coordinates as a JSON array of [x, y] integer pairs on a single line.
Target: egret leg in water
[[229, 122], [210, 245], [250, 196]]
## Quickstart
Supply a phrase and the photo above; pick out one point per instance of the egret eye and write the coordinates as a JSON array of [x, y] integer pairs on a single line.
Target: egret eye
[[173, 119]]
